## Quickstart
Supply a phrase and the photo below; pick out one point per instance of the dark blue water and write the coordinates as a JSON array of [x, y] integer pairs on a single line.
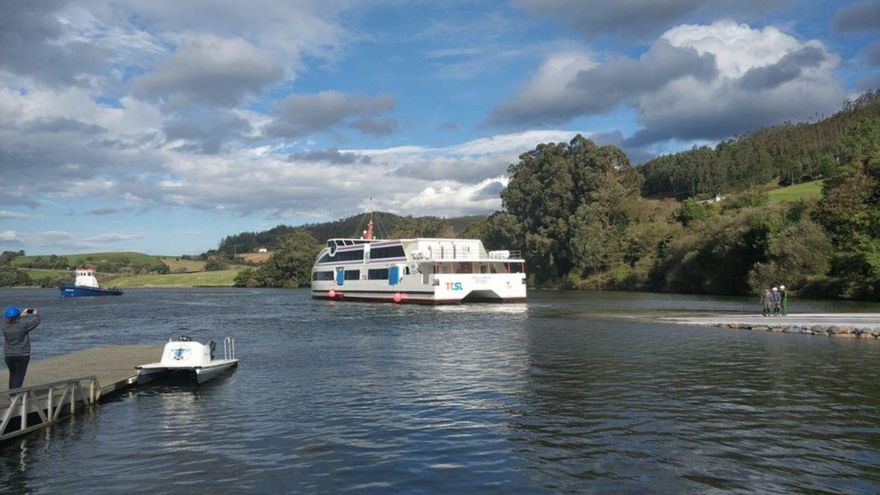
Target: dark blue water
[[549, 396]]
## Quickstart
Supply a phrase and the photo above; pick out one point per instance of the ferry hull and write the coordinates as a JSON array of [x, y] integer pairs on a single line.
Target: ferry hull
[[196, 374], [449, 289], [70, 290], [408, 298]]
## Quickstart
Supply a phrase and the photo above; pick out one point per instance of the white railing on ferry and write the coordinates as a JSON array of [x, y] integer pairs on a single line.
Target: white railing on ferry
[[504, 254], [465, 256]]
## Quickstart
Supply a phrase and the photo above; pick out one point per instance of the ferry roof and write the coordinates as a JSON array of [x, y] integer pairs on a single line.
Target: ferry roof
[[366, 241], [503, 255]]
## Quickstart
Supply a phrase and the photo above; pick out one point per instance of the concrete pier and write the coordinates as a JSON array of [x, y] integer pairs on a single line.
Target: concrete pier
[[852, 325], [113, 367]]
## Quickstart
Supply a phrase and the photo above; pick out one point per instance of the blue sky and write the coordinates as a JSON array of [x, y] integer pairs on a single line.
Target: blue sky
[[162, 126]]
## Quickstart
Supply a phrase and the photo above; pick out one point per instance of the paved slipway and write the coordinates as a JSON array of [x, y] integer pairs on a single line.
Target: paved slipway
[[853, 325]]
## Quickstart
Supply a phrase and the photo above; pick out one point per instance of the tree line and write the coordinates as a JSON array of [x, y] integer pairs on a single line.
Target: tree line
[[295, 248], [386, 224], [586, 218], [576, 211], [790, 153]]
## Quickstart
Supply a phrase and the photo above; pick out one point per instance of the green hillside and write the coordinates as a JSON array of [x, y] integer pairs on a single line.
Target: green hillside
[[92, 259], [386, 225], [80, 259], [220, 278], [181, 265], [57, 267], [794, 152], [37, 274], [797, 192]]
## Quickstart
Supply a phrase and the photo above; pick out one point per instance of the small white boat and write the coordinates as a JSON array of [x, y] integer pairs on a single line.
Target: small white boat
[[189, 359]]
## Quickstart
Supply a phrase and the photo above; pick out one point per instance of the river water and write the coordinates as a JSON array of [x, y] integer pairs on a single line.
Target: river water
[[550, 396]]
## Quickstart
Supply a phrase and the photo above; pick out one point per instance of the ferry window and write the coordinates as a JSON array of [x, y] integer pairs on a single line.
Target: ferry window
[[378, 274], [387, 252], [516, 268], [355, 255], [322, 276], [407, 270], [352, 274]]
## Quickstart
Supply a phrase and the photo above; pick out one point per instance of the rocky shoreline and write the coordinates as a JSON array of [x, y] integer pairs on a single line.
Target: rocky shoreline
[[850, 325], [832, 330]]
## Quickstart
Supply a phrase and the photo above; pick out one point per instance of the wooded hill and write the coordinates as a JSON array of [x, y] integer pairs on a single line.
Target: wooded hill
[[576, 211], [386, 225], [794, 152], [585, 218]]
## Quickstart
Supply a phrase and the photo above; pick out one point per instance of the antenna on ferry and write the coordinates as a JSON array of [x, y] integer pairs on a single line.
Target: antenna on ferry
[[368, 234]]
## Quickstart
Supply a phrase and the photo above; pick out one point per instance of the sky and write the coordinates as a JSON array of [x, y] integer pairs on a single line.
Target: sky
[[162, 126]]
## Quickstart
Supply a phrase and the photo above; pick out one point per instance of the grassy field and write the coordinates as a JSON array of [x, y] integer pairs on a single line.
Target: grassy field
[[185, 273], [220, 278], [94, 258], [38, 273], [806, 190], [180, 265], [254, 257]]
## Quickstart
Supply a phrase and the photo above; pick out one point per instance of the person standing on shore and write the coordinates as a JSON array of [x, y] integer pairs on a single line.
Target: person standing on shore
[[17, 349], [765, 302], [774, 300], [783, 300]]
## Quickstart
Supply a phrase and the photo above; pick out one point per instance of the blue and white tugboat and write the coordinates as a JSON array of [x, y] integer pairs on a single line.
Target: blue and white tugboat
[[87, 285]]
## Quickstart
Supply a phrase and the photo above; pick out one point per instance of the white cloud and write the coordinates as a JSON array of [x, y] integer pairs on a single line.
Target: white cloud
[[736, 47], [466, 177], [64, 240], [211, 70], [638, 19], [546, 98], [729, 105], [287, 29], [301, 115], [696, 82], [511, 143], [452, 201], [17, 215], [8, 236]]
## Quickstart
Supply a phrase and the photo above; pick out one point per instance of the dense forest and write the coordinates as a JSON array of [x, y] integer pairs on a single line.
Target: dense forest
[[575, 210], [790, 153]]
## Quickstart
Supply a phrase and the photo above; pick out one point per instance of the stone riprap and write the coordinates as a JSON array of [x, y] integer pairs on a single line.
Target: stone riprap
[[852, 325]]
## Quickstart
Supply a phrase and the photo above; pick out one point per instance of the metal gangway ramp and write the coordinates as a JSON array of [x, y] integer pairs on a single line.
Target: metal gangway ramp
[[62, 385]]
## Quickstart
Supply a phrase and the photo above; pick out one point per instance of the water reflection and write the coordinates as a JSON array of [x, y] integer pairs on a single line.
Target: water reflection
[[546, 396], [691, 418], [483, 309], [13, 468]]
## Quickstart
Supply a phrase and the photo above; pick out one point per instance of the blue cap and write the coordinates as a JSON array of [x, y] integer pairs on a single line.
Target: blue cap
[[13, 312]]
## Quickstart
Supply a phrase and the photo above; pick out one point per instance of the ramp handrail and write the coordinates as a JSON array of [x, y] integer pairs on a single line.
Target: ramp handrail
[[229, 348], [46, 403]]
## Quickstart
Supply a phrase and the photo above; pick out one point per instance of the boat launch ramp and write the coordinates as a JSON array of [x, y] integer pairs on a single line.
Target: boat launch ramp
[[62, 385]]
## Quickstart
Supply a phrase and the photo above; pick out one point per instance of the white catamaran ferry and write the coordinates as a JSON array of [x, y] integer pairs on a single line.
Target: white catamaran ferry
[[422, 270]]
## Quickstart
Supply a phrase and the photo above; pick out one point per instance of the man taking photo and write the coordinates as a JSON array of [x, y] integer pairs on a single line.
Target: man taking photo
[[17, 350]]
